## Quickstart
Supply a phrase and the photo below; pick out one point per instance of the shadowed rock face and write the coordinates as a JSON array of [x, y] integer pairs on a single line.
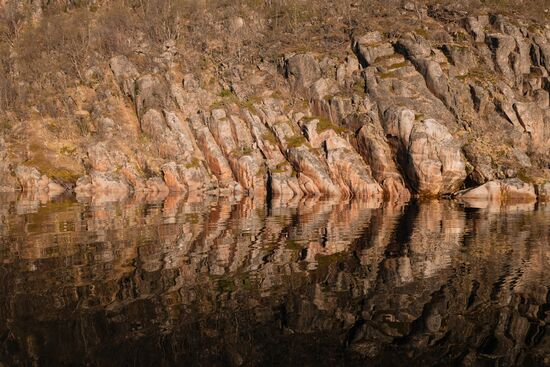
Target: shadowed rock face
[[242, 283]]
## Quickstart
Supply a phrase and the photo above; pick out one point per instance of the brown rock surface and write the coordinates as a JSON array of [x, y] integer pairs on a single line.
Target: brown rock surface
[[460, 99]]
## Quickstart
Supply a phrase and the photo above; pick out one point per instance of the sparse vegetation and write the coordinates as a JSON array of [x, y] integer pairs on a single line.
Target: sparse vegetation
[[45, 165], [195, 163], [296, 141], [226, 93], [270, 137], [398, 65], [47, 49], [388, 75], [281, 167], [246, 151]]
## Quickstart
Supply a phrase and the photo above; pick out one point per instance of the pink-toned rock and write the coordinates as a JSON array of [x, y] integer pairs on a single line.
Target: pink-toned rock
[[376, 151], [316, 171], [305, 160], [308, 185], [99, 158], [156, 185], [435, 162], [509, 190], [172, 178], [102, 182], [181, 131], [398, 123], [246, 163], [216, 161], [283, 181], [134, 178], [31, 180], [349, 171], [491, 191], [311, 131], [516, 190], [543, 191], [285, 185], [154, 125], [187, 178]]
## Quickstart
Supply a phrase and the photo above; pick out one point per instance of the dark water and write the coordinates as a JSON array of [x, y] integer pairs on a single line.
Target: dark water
[[309, 283]]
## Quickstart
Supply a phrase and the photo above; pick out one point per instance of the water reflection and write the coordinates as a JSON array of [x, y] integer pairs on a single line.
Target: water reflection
[[219, 283]]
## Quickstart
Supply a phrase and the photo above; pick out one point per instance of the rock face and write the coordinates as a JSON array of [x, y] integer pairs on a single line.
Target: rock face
[[31, 180], [7, 183], [186, 178], [350, 172], [125, 74], [388, 115], [543, 191], [378, 154]]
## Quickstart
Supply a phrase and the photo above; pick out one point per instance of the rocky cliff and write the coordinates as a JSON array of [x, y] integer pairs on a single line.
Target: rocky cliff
[[458, 106]]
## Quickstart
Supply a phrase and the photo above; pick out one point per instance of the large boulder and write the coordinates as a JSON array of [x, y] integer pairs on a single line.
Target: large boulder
[[151, 92], [435, 162], [312, 172], [31, 180], [215, 159], [302, 70], [428, 154], [502, 46], [102, 183], [236, 143], [282, 180], [508, 190], [371, 47], [125, 73]]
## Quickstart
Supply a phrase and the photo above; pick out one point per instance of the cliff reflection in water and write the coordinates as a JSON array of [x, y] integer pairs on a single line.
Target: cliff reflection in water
[[245, 283]]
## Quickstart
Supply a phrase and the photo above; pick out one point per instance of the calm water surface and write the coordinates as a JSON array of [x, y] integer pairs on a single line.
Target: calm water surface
[[243, 283]]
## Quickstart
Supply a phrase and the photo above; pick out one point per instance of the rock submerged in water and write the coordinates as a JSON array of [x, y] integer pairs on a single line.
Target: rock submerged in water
[[543, 191], [501, 191], [31, 180]]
